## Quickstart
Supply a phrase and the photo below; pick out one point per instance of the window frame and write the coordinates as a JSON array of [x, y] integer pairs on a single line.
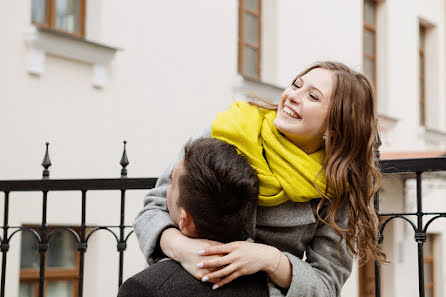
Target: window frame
[[50, 18], [366, 279], [242, 42], [430, 260], [372, 29], [422, 70], [32, 275]]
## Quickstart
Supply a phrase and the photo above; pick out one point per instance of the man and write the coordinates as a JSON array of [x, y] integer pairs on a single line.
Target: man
[[212, 193], [213, 189]]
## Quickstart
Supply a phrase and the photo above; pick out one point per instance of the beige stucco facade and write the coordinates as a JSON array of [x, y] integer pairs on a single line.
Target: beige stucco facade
[[173, 66]]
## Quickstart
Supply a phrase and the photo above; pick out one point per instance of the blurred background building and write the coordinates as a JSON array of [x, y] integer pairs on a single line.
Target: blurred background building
[[85, 75]]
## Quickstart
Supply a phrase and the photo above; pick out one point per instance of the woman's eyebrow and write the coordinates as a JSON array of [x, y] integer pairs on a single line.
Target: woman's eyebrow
[[312, 87]]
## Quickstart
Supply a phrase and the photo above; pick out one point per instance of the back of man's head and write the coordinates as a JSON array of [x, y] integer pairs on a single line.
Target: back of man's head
[[218, 188]]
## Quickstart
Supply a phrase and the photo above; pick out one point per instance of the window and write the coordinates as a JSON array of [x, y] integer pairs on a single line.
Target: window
[[62, 265], [67, 16], [367, 279], [366, 276], [249, 53], [370, 40], [422, 42], [428, 263]]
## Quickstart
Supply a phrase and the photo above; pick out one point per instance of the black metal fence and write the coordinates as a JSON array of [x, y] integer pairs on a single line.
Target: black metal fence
[[121, 232], [122, 184], [414, 219]]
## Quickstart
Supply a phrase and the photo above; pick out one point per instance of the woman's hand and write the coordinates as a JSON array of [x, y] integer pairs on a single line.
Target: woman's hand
[[240, 258], [184, 250]]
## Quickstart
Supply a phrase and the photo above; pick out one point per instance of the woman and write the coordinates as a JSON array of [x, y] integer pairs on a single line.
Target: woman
[[315, 161]]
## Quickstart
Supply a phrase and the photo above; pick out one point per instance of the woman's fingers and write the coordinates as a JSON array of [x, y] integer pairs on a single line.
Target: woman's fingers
[[215, 263], [233, 260], [218, 249], [226, 280], [219, 274], [201, 273]]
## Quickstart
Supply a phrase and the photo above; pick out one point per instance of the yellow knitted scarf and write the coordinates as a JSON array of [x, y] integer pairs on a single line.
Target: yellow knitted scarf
[[285, 171]]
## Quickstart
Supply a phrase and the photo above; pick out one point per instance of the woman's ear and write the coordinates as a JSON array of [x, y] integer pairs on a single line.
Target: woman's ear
[[327, 135], [186, 224]]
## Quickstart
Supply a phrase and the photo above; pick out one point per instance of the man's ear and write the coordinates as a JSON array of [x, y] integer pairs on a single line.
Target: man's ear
[[186, 224]]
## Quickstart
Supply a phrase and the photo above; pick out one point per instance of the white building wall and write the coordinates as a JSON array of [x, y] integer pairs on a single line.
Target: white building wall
[[174, 74], [177, 69], [398, 80], [351, 286], [269, 46], [310, 31], [433, 13], [398, 95], [382, 60], [402, 58], [441, 264], [147, 89]]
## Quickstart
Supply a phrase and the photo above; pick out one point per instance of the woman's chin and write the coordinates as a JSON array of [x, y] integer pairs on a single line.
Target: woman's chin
[[282, 125]]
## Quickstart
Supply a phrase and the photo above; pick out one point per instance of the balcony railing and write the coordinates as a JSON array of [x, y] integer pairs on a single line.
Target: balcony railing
[[414, 219], [122, 232]]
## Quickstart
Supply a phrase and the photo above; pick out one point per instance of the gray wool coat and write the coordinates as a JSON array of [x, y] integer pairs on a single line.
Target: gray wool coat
[[320, 263]]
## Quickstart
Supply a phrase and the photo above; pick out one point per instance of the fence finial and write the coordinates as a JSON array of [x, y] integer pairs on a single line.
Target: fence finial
[[124, 161], [46, 163]]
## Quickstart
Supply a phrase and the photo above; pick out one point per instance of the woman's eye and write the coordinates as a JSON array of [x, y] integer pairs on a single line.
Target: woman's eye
[[296, 85], [314, 97]]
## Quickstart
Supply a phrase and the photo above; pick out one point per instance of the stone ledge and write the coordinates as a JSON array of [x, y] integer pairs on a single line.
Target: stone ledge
[[42, 41]]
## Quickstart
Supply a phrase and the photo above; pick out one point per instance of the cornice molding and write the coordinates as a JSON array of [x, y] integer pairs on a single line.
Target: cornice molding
[[42, 41]]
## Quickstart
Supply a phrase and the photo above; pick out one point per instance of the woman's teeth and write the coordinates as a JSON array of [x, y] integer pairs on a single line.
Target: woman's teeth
[[289, 112]]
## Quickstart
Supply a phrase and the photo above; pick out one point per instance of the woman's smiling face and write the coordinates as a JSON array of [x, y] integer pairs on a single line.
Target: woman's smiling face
[[303, 109]]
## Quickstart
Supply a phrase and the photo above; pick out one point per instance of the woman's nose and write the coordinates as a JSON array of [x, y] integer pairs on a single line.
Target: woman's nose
[[295, 96]]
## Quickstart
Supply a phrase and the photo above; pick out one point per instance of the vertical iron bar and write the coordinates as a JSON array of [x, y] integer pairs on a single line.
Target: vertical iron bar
[[5, 244], [121, 244], [82, 245], [43, 245], [420, 237]]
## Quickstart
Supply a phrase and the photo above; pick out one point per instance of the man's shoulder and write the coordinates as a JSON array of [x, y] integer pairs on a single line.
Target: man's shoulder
[[142, 283], [157, 270]]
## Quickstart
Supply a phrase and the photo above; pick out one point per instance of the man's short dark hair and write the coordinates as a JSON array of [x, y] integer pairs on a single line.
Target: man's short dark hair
[[218, 188]]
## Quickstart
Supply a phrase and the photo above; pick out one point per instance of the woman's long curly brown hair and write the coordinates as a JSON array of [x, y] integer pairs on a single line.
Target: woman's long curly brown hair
[[350, 159], [350, 167]]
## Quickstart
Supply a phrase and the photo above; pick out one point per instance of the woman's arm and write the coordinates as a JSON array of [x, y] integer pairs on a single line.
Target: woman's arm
[[282, 273], [328, 262], [159, 237], [243, 258], [184, 249], [326, 268], [154, 218]]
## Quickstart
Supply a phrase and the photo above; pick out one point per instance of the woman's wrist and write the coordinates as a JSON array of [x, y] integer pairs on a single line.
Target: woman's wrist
[[278, 268], [273, 261], [169, 241]]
